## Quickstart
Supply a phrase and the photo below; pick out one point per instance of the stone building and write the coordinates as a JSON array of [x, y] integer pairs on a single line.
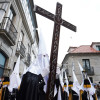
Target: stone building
[[89, 58], [18, 35]]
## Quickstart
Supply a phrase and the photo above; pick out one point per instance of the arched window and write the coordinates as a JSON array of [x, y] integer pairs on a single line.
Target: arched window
[[2, 63]]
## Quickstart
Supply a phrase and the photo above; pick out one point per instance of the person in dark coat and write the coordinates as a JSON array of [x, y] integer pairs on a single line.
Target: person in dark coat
[[75, 96], [64, 93], [5, 92], [84, 96], [31, 87], [72, 93], [57, 83]]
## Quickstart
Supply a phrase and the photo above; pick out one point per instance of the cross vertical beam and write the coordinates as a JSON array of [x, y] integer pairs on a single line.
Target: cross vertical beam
[[54, 52]]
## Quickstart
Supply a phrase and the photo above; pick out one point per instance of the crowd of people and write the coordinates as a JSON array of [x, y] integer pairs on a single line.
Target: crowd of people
[[34, 82], [6, 95]]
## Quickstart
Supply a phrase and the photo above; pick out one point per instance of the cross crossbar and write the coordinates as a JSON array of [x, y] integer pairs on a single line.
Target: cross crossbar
[[51, 16]]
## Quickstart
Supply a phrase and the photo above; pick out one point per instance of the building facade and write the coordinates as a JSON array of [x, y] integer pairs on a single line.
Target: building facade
[[89, 58], [18, 35]]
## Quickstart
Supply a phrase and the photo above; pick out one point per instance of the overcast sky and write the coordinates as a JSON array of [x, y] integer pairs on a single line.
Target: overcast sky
[[84, 14]]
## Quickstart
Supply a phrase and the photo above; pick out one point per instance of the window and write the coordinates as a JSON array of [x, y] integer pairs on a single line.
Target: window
[[3, 8], [21, 39], [10, 17], [86, 63], [2, 63], [4, 5], [98, 47], [11, 14]]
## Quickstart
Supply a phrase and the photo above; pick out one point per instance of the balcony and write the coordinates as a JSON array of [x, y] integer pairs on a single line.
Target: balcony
[[90, 71], [8, 31], [28, 59], [20, 49]]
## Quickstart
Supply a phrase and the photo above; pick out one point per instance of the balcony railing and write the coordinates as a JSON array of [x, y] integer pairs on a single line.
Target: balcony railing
[[28, 59], [21, 48], [7, 28], [90, 71]]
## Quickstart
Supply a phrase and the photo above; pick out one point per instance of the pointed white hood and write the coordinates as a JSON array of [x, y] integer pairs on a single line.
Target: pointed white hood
[[61, 80], [42, 46], [91, 89], [81, 69], [43, 57], [14, 77], [66, 80], [76, 86], [41, 65], [34, 67]]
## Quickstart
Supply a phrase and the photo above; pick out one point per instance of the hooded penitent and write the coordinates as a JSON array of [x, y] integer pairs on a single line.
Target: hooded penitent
[[34, 80], [14, 77]]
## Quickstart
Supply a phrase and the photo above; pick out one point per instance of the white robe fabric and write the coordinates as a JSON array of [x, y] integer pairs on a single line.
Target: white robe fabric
[[14, 77], [55, 91], [59, 94]]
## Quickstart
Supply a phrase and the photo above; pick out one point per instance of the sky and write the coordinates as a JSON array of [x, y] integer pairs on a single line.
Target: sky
[[84, 14]]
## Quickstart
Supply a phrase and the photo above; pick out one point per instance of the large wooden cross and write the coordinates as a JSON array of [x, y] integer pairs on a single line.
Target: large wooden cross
[[55, 43]]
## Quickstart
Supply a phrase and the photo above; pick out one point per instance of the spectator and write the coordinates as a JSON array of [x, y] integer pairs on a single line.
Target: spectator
[[2, 78], [0, 83], [0, 88]]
